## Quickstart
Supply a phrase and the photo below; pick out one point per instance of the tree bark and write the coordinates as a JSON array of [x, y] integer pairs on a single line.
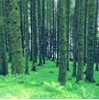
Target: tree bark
[[90, 41], [62, 42]]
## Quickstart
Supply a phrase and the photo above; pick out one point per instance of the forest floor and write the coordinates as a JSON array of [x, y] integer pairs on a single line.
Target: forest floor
[[43, 84]]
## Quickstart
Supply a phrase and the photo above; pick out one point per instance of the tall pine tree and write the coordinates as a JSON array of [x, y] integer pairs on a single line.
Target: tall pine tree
[[3, 56], [75, 38], [80, 72], [62, 42], [15, 39], [90, 41]]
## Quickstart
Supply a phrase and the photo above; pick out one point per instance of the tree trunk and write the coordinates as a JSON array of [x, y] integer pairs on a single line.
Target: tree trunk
[[26, 32], [33, 34], [75, 39], [43, 31], [15, 39], [67, 17], [90, 41], [3, 56], [39, 31], [62, 42], [80, 73], [85, 32], [21, 26]]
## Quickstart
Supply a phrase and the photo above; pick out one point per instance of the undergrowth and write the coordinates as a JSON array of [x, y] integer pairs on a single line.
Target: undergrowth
[[43, 84]]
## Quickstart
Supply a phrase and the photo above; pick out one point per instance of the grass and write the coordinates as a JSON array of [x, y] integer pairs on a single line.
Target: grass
[[43, 84]]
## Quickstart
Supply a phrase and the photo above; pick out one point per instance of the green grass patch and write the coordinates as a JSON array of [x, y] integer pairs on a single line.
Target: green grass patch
[[43, 84]]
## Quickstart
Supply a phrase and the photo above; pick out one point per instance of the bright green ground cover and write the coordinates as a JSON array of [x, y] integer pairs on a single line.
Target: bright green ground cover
[[43, 84]]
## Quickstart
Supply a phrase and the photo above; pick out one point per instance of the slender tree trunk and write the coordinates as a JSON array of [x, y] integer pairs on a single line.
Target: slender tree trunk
[[48, 48], [57, 62], [7, 27], [21, 26], [3, 56], [43, 31], [39, 31], [50, 29], [26, 32], [33, 34], [62, 42], [67, 17], [85, 31], [53, 33], [80, 73], [75, 38], [96, 32], [90, 41]]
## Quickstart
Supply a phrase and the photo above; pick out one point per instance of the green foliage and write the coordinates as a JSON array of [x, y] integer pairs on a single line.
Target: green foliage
[[53, 87], [69, 86], [43, 84]]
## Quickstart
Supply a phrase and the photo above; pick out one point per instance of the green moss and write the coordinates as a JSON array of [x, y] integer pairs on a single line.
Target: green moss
[[15, 41], [62, 42]]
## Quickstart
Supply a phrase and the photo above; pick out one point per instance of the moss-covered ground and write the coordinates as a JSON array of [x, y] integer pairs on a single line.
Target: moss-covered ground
[[43, 84]]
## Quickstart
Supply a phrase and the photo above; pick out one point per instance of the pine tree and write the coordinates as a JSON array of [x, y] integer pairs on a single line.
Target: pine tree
[[22, 25], [55, 33], [48, 30], [51, 37], [75, 38], [95, 36], [15, 39], [3, 56], [7, 9], [43, 31], [39, 32], [53, 30], [80, 40], [85, 31], [33, 33], [90, 41], [26, 32], [67, 17], [57, 62], [62, 42]]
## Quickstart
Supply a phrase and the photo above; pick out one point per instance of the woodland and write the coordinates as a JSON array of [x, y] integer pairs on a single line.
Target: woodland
[[49, 49]]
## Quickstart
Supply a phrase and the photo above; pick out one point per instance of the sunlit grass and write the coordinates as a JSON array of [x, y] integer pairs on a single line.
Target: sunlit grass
[[43, 84]]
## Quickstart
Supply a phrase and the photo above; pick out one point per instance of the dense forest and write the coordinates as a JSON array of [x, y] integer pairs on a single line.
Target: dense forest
[[49, 49]]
